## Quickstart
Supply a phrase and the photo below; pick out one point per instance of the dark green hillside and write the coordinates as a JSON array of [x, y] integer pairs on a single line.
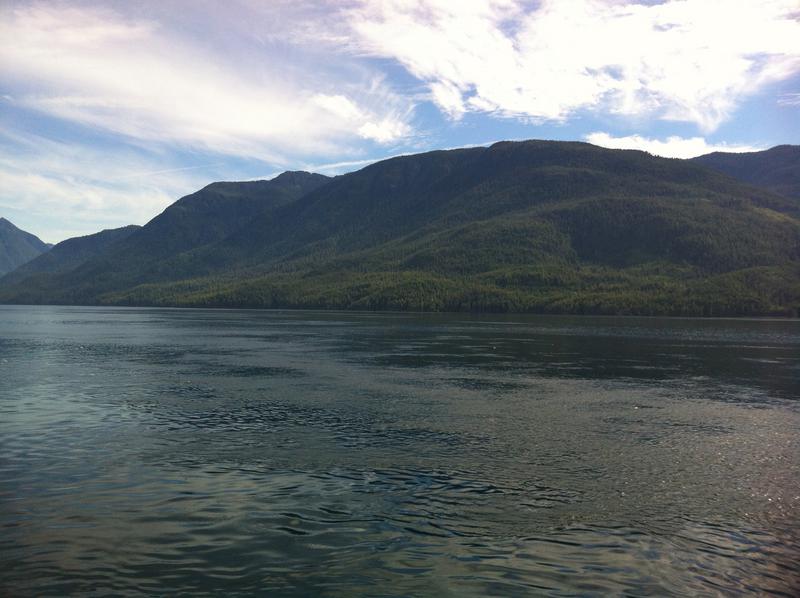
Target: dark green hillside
[[69, 254], [777, 169], [17, 247], [213, 213], [201, 218], [537, 226], [415, 195]]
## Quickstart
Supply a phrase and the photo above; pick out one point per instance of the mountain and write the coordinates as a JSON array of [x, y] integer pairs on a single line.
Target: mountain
[[214, 212], [198, 219], [555, 227], [17, 246], [69, 254], [777, 169]]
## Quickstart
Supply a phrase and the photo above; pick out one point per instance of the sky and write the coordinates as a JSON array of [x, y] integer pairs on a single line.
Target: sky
[[110, 111]]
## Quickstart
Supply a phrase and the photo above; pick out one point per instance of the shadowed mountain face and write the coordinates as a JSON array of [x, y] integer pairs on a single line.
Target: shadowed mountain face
[[542, 181], [524, 226], [17, 247], [777, 169], [213, 213], [216, 211], [69, 254], [114, 259]]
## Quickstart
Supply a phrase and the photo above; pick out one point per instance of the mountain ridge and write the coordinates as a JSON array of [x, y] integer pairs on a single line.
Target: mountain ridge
[[17, 246], [556, 227], [197, 219], [70, 253], [777, 168]]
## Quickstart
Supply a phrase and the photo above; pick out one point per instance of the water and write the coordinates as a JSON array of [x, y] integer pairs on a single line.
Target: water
[[336, 454]]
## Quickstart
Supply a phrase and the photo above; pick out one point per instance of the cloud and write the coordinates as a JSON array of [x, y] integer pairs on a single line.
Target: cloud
[[680, 60], [671, 147], [789, 99], [384, 130], [79, 206], [72, 189], [147, 79]]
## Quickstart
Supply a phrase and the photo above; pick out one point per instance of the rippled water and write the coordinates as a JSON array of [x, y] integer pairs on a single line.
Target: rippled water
[[337, 454]]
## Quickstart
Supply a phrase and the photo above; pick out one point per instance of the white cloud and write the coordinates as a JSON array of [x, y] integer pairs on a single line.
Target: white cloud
[[383, 131], [682, 60], [335, 168], [671, 147], [789, 99], [80, 206], [72, 189], [339, 105], [449, 98], [149, 80]]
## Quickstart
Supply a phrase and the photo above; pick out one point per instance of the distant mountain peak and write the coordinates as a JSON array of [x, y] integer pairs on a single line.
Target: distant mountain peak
[[292, 174], [17, 247], [776, 169], [70, 253]]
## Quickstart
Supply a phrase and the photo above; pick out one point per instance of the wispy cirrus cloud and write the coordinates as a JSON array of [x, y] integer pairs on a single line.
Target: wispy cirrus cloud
[[148, 80], [671, 147], [60, 189], [789, 99], [680, 60]]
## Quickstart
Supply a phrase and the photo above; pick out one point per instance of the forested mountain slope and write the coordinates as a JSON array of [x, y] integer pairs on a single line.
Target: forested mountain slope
[[17, 246], [777, 169], [201, 218], [517, 226], [69, 254]]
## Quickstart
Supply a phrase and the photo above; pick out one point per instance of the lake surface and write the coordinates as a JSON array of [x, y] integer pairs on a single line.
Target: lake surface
[[341, 454]]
